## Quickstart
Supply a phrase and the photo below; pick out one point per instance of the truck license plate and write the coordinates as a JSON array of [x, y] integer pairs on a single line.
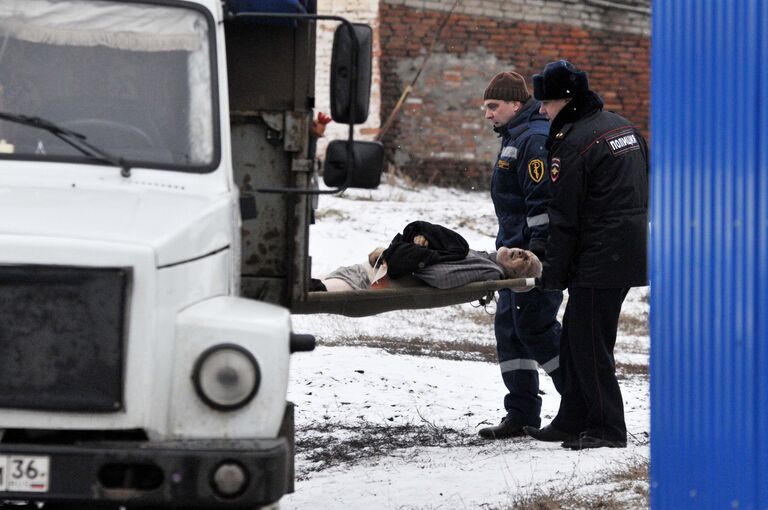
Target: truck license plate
[[24, 473]]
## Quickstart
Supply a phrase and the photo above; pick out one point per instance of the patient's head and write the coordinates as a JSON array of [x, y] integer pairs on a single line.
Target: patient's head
[[518, 263], [375, 256]]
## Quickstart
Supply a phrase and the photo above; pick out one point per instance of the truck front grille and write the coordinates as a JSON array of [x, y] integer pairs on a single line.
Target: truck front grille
[[61, 338]]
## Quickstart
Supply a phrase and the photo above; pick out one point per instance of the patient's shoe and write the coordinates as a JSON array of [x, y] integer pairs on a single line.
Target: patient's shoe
[[316, 285]]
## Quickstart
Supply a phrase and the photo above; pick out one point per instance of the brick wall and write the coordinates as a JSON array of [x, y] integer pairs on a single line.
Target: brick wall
[[586, 14], [440, 135]]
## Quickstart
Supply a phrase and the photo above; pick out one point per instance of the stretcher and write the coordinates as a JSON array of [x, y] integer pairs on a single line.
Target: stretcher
[[361, 303]]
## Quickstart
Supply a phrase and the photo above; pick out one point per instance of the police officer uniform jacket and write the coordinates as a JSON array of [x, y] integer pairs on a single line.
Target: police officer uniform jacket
[[520, 184], [598, 213]]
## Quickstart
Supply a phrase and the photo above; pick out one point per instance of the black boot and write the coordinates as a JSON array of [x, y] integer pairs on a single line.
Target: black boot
[[503, 430], [584, 441], [549, 433]]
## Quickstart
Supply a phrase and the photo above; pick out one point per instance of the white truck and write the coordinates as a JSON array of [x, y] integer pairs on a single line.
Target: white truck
[[156, 182]]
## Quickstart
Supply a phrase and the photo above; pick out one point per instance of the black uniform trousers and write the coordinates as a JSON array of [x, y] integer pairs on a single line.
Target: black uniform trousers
[[527, 336], [591, 398]]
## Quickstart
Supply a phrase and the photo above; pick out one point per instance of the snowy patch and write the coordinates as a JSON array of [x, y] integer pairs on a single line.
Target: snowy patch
[[388, 407]]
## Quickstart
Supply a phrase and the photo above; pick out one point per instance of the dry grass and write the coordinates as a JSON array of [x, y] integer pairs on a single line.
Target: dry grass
[[568, 499], [627, 370], [632, 472], [457, 351], [632, 480], [631, 344], [560, 501], [635, 325], [628, 489], [483, 225], [477, 316], [335, 444]]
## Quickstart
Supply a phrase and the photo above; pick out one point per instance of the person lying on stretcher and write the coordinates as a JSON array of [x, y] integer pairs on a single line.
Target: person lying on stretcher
[[433, 255]]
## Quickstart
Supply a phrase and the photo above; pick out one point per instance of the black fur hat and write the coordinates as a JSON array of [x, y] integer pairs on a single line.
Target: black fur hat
[[559, 80]]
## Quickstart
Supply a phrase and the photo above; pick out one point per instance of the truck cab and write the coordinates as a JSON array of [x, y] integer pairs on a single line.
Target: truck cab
[[157, 173]]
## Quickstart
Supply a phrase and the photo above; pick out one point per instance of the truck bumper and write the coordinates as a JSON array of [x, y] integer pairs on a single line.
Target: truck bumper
[[171, 474]]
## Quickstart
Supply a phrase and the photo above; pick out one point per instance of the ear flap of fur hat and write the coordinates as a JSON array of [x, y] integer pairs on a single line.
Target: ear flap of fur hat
[[559, 80]]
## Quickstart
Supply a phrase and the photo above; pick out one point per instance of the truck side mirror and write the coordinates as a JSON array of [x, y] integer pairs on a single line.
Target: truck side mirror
[[339, 172], [343, 96]]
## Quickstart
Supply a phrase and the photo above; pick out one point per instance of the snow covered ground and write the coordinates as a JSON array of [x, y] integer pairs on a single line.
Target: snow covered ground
[[388, 407]]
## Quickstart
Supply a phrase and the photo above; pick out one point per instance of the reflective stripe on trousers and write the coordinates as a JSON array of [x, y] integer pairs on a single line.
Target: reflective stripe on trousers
[[529, 364]]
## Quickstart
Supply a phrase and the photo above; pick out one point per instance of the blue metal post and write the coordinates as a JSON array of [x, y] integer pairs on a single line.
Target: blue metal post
[[709, 254]]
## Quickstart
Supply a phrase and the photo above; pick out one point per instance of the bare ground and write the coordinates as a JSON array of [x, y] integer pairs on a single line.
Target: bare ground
[[337, 444], [450, 350], [333, 444], [330, 444]]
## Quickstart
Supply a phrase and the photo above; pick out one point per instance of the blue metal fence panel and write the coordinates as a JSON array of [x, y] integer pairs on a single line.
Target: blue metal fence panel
[[709, 252], [761, 271]]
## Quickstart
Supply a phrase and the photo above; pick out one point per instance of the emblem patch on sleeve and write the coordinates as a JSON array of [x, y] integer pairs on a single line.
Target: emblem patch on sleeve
[[536, 170], [623, 142], [554, 169], [509, 152]]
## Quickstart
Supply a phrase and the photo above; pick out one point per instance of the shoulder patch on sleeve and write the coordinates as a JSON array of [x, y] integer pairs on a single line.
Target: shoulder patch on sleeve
[[623, 142], [536, 170], [554, 171]]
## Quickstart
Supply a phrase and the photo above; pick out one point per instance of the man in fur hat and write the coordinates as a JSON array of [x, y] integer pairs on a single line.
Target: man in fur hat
[[526, 326], [596, 248]]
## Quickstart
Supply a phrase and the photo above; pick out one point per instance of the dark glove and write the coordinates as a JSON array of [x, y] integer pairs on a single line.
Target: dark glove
[[537, 247], [548, 283]]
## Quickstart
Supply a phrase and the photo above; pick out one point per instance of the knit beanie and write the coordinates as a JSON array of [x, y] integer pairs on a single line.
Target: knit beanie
[[507, 86], [559, 80]]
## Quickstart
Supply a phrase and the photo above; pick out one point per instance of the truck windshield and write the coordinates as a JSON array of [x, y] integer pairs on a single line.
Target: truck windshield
[[134, 78]]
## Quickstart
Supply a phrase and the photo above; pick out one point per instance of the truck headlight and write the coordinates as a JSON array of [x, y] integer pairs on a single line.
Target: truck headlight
[[226, 377]]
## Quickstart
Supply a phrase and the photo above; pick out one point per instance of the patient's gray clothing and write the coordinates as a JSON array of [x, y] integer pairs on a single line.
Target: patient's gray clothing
[[357, 276], [477, 266]]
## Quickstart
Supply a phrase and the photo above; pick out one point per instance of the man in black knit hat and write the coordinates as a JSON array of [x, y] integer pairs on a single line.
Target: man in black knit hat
[[526, 326], [596, 248]]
